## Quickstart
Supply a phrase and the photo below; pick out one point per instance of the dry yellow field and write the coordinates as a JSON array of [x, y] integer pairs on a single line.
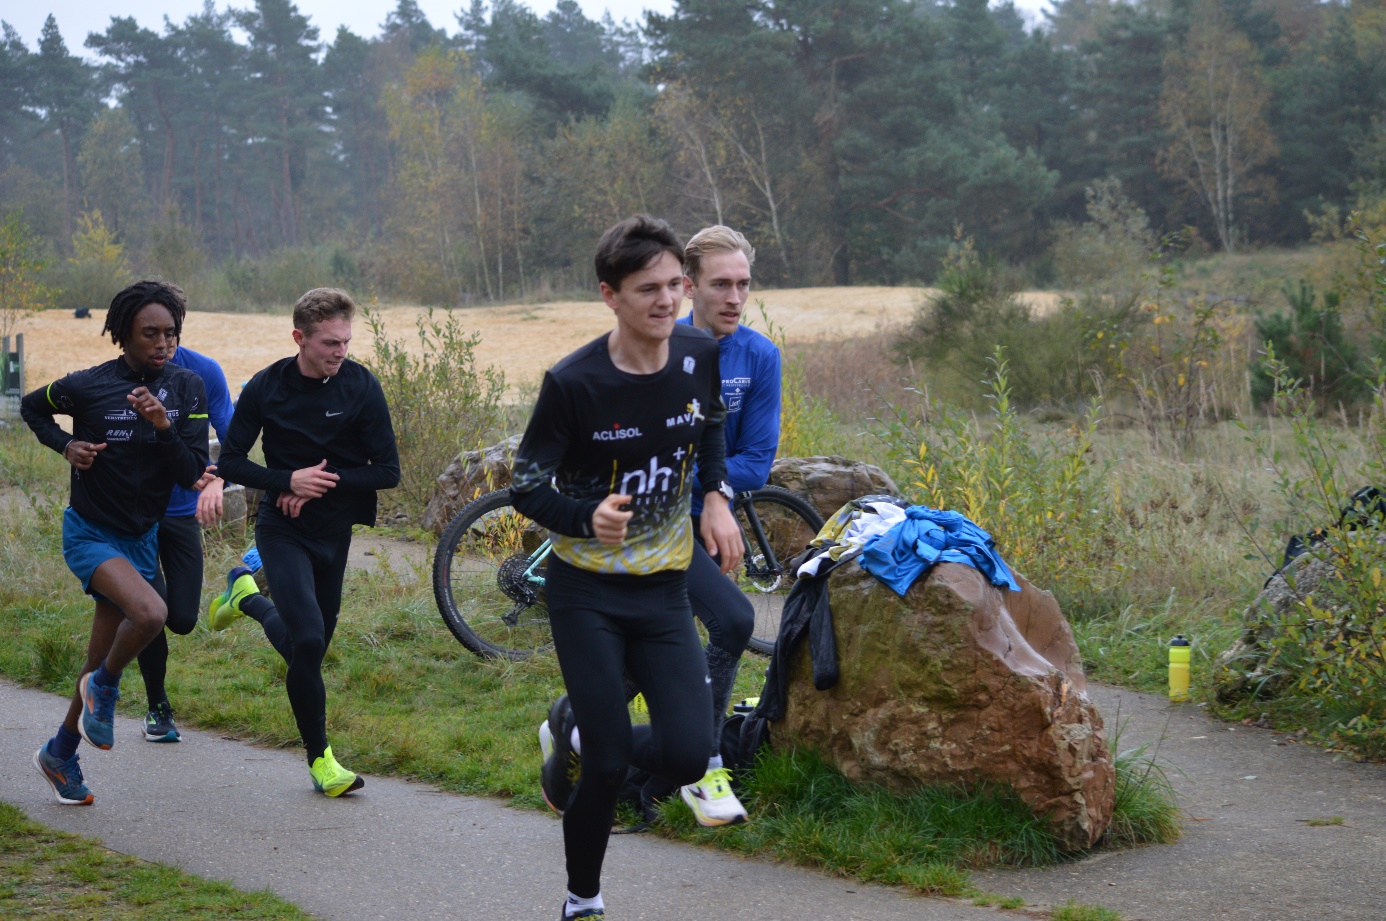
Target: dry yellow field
[[522, 340]]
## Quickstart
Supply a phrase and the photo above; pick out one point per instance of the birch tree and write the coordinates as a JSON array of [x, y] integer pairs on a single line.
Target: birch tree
[[1213, 103]]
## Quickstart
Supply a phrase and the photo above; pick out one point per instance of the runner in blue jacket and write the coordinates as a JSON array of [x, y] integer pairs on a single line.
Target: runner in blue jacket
[[180, 552], [717, 278]]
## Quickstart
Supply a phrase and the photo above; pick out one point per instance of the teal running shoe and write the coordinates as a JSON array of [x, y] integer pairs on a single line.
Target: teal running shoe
[[97, 724], [65, 777]]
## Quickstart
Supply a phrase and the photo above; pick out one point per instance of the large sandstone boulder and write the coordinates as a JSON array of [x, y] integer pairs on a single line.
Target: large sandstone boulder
[[958, 682], [831, 482], [471, 474]]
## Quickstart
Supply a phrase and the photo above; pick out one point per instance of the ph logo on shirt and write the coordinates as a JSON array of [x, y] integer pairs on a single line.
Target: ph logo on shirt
[[689, 364]]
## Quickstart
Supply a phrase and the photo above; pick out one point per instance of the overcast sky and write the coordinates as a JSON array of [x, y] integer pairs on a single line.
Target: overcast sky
[[76, 18]]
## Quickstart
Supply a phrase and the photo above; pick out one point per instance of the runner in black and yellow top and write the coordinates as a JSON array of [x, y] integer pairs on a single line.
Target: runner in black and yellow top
[[139, 425], [606, 465]]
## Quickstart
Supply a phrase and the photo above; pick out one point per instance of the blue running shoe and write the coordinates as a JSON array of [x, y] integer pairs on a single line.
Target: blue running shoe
[[587, 914], [251, 558], [65, 777], [97, 724]]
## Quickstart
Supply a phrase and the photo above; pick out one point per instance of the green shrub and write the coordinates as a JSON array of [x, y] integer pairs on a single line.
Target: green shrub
[[1328, 654], [1314, 346], [441, 402], [1053, 357], [1041, 498]]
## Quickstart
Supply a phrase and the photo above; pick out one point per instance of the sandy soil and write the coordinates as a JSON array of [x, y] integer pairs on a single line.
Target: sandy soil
[[522, 340]]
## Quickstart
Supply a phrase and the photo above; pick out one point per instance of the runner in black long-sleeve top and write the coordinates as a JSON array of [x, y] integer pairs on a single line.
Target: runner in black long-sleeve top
[[617, 427], [329, 446], [139, 424]]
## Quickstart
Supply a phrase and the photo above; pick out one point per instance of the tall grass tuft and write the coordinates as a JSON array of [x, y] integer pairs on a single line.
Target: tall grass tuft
[[1146, 811]]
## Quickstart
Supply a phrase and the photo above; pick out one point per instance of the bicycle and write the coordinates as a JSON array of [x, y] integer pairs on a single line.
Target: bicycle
[[488, 570]]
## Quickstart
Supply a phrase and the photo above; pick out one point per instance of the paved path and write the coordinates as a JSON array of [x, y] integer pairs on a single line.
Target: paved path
[[397, 850], [1247, 853]]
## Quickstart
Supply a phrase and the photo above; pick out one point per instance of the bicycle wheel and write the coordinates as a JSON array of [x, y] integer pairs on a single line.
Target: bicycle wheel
[[776, 524], [488, 576]]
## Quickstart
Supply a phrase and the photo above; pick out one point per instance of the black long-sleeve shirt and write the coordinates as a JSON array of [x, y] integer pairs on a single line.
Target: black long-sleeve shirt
[[128, 485], [599, 431], [343, 419]]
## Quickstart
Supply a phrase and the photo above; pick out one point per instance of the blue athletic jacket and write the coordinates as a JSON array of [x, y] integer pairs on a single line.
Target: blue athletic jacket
[[183, 502], [750, 365]]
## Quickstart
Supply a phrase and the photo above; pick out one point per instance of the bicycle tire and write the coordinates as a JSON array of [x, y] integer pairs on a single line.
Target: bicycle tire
[[478, 580], [787, 523]]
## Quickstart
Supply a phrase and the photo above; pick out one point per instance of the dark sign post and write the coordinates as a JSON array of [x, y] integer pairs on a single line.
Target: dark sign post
[[12, 372]]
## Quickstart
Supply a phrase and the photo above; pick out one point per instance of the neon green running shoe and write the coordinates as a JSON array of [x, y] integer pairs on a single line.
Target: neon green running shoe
[[331, 778], [226, 607]]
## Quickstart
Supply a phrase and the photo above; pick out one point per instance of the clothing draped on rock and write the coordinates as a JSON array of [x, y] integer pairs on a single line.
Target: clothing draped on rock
[[896, 545], [927, 536]]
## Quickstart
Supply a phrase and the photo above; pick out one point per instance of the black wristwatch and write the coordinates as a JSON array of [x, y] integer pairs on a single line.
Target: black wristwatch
[[726, 490]]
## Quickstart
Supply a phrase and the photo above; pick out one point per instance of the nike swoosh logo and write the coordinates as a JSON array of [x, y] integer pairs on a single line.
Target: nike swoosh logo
[[330, 415]]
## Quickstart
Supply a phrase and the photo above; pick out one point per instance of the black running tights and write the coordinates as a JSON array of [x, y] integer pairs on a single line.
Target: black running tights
[[602, 624], [305, 575], [180, 583]]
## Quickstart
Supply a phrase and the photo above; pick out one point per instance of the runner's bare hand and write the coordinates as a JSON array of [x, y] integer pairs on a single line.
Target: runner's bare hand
[[312, 482], [148, 405], [206, 479], [609, 519], [721, 534], [81, 454], [290, 504], [209, 505]]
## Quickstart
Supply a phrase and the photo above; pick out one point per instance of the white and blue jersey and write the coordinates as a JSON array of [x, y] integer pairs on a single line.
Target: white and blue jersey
[[750, 368], [183, 502]]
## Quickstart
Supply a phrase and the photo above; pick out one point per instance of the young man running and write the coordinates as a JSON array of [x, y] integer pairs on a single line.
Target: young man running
[[180, 552], [605, 465], [717, 278], [139, 425], [328, 446]]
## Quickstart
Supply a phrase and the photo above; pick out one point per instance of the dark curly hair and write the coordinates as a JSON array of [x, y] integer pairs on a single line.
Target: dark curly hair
[[120, 316]]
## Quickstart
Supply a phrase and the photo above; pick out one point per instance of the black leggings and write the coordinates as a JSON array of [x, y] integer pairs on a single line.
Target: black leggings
[[305, 575], [602, 624], [179, 582], [718, 603]]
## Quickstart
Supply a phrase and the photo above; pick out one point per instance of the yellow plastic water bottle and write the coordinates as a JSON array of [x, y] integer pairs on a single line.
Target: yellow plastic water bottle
[[1179, 668]]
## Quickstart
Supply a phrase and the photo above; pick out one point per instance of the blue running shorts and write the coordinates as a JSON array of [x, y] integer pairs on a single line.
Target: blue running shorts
[[86, 546]]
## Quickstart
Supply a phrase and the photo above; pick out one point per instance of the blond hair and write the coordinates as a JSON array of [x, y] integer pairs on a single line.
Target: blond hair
[[714, 239], [322, 304]]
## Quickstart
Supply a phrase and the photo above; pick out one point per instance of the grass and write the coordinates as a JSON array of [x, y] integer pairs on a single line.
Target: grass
[[805, 812], [1072, 911], [46, 874]]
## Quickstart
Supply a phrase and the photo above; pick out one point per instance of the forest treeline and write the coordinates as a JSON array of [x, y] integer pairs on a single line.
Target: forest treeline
[[450, 163]]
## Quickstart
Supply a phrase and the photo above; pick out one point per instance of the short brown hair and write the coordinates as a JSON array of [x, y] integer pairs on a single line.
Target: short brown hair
[[322, 304], [629, 246], [714, 239]]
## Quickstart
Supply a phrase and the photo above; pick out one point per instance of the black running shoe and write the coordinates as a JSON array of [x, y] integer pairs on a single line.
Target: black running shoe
[[158, 724], [562, 768]]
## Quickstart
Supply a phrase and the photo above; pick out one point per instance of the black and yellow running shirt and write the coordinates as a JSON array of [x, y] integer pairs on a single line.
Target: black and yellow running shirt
[[598, 431]]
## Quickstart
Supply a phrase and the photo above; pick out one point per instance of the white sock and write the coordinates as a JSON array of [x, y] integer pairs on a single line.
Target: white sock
[[576, 904], [574, 741], [714, 762]]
